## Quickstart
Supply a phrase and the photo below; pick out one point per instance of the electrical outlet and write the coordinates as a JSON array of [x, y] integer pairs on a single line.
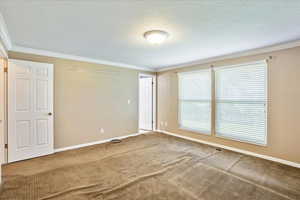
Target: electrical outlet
[[161, 123], [101, 130], [166, 124]]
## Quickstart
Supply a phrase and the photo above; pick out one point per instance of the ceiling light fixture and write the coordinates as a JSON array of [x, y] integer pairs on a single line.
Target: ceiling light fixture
[[156, 36]]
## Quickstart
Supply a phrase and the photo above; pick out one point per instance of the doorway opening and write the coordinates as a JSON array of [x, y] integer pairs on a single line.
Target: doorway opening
[[147, 101]]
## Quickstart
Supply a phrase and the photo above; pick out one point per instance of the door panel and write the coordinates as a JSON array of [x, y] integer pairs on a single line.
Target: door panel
[[22, 97], [30, 99], [41, 96], [42, 131], [23, 134]]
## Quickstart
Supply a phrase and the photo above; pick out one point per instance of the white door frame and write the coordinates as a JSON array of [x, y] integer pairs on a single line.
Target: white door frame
[[153, 76], [35, 116], [3, 104], [2, 110]]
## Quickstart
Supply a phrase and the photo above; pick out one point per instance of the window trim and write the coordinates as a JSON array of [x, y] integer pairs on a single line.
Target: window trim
[[213, 101], [203, 132]]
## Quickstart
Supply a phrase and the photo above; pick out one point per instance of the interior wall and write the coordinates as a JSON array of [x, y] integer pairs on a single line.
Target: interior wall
[[88, 97], [283, 110]]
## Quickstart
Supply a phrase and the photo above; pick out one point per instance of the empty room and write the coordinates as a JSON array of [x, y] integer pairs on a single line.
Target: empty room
[[149, 100]]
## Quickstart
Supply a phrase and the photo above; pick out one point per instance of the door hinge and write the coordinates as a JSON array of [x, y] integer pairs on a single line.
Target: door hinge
[[6, 146], [5, 69]]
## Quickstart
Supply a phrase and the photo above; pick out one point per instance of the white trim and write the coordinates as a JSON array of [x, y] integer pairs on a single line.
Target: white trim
[[220, 135], [3, 52], [2, 110], [286, 162], [96, 142], [41, 52], [203, 132], [251, 52], [4, 36]]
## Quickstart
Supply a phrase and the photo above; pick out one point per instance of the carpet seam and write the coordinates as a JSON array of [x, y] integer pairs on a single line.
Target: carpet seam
[[248, 181]]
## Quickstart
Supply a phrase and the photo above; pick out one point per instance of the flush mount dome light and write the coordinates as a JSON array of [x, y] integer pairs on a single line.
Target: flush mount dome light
[[156, 36]]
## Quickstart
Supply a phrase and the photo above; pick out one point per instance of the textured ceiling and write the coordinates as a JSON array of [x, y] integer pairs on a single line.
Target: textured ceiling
[[113, 30]]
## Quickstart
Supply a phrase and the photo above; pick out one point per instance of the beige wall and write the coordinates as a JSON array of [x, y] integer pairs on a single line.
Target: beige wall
[[88, 97], [284, 105]]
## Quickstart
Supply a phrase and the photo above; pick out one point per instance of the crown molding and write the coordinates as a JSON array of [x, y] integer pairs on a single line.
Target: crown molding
[[4, 36], [40, 52], [251, 52], [257, 51]]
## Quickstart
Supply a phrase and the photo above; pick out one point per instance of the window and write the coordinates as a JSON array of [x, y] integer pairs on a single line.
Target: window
[[195, 101], [241, 99]]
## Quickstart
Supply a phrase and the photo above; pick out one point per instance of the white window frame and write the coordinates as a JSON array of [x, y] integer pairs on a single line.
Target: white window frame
[[204, 132], [266, 101], [214, 101]]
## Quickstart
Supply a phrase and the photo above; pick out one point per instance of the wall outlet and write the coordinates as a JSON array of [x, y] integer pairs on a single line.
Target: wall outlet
[[166, 124], [101, 130], [161, 123]]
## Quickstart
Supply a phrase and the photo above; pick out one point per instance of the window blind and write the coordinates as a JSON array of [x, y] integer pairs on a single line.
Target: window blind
[[195, 100], [241, 102]]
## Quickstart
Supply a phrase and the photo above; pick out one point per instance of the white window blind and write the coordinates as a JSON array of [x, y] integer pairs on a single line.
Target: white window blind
[[195, 101], [241, 99]]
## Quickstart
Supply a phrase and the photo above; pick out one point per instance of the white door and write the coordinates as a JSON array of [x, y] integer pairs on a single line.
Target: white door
[[30, 109], [146, 102]]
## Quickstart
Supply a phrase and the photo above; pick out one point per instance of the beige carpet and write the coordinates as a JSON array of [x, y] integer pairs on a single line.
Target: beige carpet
[[150, 167]]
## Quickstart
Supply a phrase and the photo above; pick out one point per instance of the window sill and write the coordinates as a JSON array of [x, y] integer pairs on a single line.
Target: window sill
[[203, 132], [243, 141]]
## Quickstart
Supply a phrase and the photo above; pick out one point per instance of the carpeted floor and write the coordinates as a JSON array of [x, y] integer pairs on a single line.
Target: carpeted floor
[[150, 167]]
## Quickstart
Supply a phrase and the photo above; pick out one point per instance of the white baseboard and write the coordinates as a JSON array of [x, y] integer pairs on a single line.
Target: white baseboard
[[96, 142], [286, 162]]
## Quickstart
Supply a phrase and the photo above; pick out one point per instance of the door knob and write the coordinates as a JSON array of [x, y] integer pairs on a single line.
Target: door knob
[[49, 113]]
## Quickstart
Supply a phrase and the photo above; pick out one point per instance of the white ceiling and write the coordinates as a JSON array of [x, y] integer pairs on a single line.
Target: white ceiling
[[112, 30]]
